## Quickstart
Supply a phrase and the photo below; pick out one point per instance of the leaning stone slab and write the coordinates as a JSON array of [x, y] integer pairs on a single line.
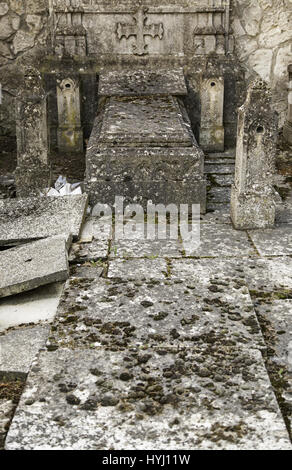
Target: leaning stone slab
[[20, 347], [32, 265], [39, 305], [40, 217]]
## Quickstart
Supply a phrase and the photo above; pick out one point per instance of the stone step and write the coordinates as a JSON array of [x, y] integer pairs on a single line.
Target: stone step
[[219, 168], [219, 195], [220, 180]]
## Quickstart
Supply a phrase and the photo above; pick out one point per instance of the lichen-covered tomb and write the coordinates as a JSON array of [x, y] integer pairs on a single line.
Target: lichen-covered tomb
[[144, 88]]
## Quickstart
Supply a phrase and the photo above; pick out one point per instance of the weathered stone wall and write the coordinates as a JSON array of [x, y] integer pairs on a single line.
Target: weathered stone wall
[[263, 43]]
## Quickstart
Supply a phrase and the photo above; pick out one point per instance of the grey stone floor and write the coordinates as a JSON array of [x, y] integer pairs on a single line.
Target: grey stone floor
[[152, 348]]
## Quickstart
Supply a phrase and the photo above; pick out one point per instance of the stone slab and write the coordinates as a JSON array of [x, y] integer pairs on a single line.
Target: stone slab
[[19, 348], [167, 403], [223, 169], [269, 274], [219, 240], [34, 218], [278, 315], [121, 314], [39, 305], [94, 251], [273, 242], [136, 248], [142, 82], [33, 265], [97, 228], [138, 269], [139, 121]]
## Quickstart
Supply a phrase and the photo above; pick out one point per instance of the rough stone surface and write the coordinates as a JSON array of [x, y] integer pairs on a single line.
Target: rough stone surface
[[33, 173], [273, 242], [253, 196], [19, 348], [33, 218], [151, 371], [33, 265], [140, 82]]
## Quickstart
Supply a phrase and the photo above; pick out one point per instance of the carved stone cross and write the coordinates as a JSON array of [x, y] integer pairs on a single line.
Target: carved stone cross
[[140, 29]]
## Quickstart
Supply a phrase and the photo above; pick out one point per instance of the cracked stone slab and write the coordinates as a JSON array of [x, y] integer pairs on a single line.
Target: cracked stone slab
[[34, 218], [141, 248], [218, 240], [120, 314], [39, 305], [19, 348], [138, 269], [273, 242], [100, 399], [33, 265]]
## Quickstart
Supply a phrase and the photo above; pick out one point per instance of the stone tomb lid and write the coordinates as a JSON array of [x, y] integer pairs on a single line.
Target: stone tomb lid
[[32, 218], [144, 121], [142, 82]]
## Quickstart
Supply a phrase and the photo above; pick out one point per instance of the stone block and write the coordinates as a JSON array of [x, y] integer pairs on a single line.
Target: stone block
[[33, 218], [33, 265]]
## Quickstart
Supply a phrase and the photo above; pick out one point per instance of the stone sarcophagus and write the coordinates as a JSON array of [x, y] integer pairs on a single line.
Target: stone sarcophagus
[[142, 146]]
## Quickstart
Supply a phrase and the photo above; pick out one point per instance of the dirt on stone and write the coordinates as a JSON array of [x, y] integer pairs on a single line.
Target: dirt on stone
[[11, 390]]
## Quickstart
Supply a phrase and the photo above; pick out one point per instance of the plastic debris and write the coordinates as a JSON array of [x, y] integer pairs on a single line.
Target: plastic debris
[[63, 188]]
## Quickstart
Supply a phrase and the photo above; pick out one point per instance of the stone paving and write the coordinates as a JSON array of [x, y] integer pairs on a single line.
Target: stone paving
[[154, 349]]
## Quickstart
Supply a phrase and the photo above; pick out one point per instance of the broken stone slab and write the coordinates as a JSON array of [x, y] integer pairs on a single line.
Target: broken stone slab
[[19, 348], [142, 82], [86, 400], [34, 218], [33, 265], [39, 305]]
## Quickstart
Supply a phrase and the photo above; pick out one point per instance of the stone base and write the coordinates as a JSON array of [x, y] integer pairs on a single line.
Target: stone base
[[250, 212], [31, 181], [140, 192], [212, 139], [70, 140], [287, 132]]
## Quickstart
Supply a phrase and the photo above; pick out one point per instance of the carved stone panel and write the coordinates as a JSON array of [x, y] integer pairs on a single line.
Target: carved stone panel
[[178, 28]]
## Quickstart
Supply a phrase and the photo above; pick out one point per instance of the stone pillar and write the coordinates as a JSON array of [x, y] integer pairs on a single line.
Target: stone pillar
[[32, 174], [253, 195], [287, 131], [70, 134], [212, 104]]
